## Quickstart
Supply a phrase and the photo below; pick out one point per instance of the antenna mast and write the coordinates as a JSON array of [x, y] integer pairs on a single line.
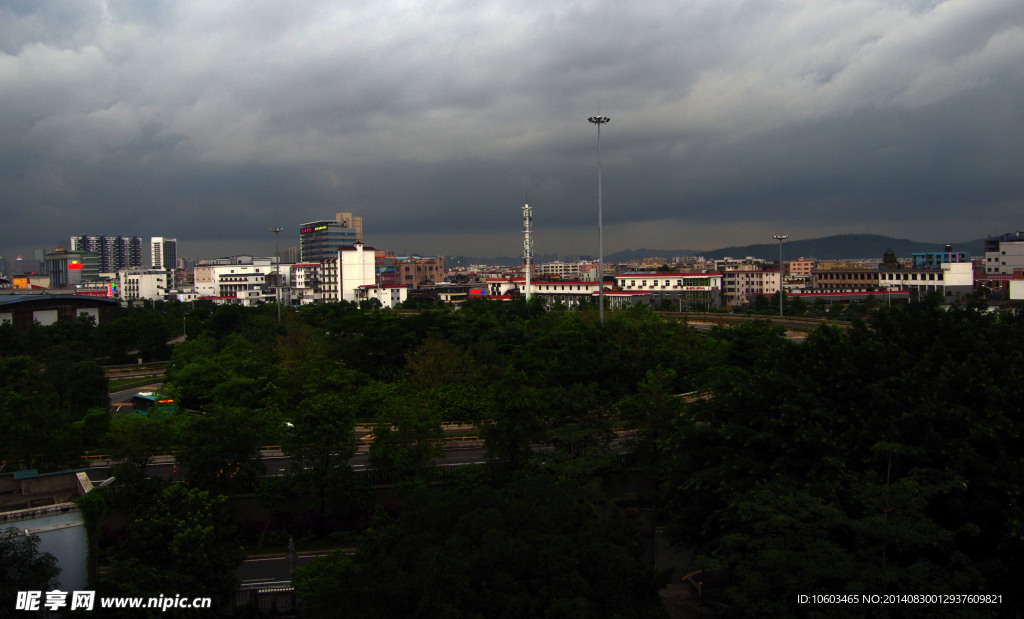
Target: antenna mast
[[528, 244]]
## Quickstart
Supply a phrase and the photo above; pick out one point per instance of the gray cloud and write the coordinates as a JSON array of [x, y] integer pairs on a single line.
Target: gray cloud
[[213, 121]]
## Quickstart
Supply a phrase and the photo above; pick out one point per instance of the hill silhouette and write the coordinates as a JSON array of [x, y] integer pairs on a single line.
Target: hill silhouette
[[836, 247]]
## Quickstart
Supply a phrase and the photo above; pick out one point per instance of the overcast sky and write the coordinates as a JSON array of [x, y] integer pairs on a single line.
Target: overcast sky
[[434, 120]]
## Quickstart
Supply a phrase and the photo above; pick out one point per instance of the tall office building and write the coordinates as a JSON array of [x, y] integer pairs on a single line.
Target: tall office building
[[349, 220], [320, 240], [163, 253], [115, 252]]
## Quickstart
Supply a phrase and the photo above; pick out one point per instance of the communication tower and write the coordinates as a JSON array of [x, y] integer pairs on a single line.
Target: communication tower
[[528, 244]]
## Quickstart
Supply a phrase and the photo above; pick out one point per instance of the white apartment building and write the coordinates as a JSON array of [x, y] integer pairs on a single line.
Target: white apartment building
[[244, 283], [734, 264], [306, 283], [582, 270], [1004, 253], [343, 276], [951, 279], [163, 253], [569, 292], [739, 287], [389, 296], [685, 290], [138, 284]]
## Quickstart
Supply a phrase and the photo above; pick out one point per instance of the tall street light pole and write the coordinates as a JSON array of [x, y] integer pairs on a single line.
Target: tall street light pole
[[599, 120], [277, 278], [780, 238]]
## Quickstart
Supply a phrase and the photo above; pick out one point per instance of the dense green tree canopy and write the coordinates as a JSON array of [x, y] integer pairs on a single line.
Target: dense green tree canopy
[[181, 541], [881, 459], [536, 548]]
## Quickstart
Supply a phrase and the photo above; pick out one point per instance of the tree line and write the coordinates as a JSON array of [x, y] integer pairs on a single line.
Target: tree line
[[884, 458]]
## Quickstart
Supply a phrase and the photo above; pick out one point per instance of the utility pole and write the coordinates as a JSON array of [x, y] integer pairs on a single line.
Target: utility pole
[[780, 238], [599, 120], [277, 277]]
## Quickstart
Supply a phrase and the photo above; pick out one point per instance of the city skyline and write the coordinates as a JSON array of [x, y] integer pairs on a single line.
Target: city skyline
[[731, 122]]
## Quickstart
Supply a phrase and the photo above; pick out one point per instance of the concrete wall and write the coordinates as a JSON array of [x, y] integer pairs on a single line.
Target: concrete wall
[[61, 531]]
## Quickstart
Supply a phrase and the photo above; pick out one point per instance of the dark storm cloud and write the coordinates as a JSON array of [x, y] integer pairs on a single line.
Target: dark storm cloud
[[433, 120]]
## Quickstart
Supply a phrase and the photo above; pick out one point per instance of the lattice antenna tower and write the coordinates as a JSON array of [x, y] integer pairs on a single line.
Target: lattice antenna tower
[[528, 243]]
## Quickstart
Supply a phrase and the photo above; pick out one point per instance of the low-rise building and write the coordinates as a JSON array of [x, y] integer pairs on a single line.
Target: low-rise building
[[684, 291], [238, 279], [415, 271], [951, 279], [569, 293], [740, 286], [138, 284], [733, 264], [934, 259], [68, 269], [850, 279], [388, 296], [1004, 253], [305, 283], [22, 310], [801, 267], [584, 269]]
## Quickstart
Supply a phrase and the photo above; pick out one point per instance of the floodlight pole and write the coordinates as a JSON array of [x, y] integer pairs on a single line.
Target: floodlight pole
[[277, 278], [780, 238], [599, 120]]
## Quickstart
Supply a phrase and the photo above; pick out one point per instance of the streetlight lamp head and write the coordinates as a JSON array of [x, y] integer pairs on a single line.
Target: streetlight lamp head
[[780, 237], [599, 120]]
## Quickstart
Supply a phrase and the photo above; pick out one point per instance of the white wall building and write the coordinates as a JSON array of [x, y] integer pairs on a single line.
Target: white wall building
[[682, 289], [389, 296], [582, 270], [1017, 290], [343, 276], [568, 292], [951, 279], [163, 253], [305, 278], [240, 283], [740, 286], [137, 284], [1004, 253]]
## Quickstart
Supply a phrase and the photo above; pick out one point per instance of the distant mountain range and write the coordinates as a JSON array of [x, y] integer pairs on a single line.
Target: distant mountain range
[[852, 246]]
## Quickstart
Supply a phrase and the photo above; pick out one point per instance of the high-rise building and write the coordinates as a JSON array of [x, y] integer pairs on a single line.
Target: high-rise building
[[320, 240], [163, 253], [349, 220], [115, 252]]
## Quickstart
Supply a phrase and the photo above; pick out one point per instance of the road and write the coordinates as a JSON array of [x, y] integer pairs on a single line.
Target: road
[[121, 401], [258, 570], [276, 463]]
